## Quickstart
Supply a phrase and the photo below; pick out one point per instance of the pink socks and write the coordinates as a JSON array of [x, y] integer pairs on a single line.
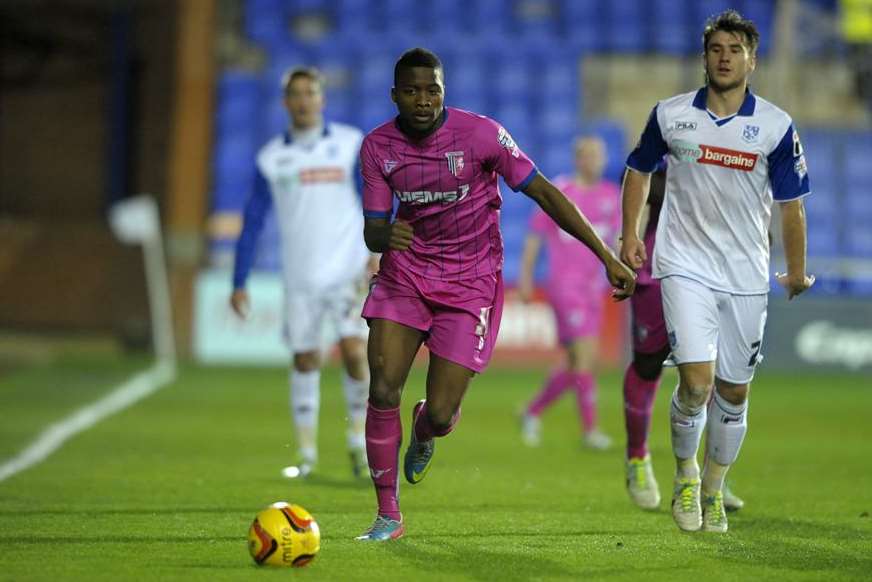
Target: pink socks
[[384, 433], [638, 405]]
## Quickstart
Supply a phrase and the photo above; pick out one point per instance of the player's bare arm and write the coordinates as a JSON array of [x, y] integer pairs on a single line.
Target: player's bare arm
[[532, 244], [634, 193], [569, 218], [794, 238], [381, 235]]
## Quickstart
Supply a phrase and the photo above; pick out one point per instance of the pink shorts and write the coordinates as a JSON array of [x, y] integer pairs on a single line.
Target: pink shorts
[[461, 318], [578, 315], [649, 326]]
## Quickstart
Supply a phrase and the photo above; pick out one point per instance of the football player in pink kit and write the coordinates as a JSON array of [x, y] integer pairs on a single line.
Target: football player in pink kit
[[440, 279], [650, 350], [574, 289]]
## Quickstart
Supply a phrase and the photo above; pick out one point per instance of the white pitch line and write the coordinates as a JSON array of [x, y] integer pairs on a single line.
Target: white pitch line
[[136, 388]]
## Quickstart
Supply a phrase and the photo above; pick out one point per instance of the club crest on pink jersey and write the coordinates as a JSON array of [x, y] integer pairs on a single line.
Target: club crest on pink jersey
[[455, 163], [389, 166]]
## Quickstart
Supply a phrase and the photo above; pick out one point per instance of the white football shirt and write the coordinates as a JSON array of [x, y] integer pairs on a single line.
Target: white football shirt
[[723, 174], [312, 187]]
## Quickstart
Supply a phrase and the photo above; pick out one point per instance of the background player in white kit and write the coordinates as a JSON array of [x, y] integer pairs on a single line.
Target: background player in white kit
[[309, 175], [730, 154]]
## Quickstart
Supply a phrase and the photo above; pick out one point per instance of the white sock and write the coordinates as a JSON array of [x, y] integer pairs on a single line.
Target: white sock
[[713, 476], [305, 404], [688, 424], [726, 430], [356, 394]]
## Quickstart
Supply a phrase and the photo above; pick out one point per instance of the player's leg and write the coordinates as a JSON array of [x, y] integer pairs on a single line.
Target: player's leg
[[555, 384], [641, 380], [355, 379], [355, 387], [391, 350], [398, 318], [582, 353], [437, 415], [303, 335], [640, 386], [691, 313], [461, 342], [531, 423], [743, 320]]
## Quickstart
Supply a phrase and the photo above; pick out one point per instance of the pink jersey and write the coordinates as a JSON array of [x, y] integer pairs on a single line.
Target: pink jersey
[[573, 268], [447, 188]]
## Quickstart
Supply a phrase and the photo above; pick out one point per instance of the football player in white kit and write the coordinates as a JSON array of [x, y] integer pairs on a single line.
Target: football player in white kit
[[730, 153], [308, 175]]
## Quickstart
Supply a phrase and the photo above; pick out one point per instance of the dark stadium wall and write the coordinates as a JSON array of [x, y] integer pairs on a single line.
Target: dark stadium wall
[[60, 267]]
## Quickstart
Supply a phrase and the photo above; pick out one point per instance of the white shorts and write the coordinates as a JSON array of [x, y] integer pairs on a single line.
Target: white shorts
[[704, 325], [314, 320]]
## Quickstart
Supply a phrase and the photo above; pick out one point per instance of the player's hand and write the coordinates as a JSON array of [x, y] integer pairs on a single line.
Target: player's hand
[[240, 303], [633, 252], [622, 278], [401, 235], [795, 284], [525, 289]]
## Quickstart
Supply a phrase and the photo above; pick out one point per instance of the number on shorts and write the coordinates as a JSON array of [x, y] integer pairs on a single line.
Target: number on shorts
[[755, 354]]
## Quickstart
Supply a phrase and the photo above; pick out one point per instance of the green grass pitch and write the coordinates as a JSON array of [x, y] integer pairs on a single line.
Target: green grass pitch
[[166, 490]]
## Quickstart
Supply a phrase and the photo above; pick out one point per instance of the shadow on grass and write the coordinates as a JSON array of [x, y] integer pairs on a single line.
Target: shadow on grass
[[130, 511], [795, 544], [24, 539], [321, 480], [460, 558]]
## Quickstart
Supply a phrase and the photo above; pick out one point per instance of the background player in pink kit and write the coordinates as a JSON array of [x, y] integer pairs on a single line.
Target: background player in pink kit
[[574, 289], [440, 279]]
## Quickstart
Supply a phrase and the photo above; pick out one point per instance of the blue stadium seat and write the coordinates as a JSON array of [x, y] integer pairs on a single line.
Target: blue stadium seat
[[823, 239], [487, 17], [858, 153], [858, 241], [702, 10], [397, 15], [560, 75], [353, 17], [274, 120], [238, 102], [515, 117], [537, 18], [265, 21], [557, 159], [374, 112], [558, 123], [513, 82], [762, 12], [446, 17], [822, 203], [375, 75], [582, 26], [626, 27], [856, 205], [671, 32], [821, 155]]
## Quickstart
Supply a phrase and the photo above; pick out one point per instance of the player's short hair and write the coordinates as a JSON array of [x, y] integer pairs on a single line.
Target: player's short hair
[[417, 57], [731, 21], [292, 74]]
